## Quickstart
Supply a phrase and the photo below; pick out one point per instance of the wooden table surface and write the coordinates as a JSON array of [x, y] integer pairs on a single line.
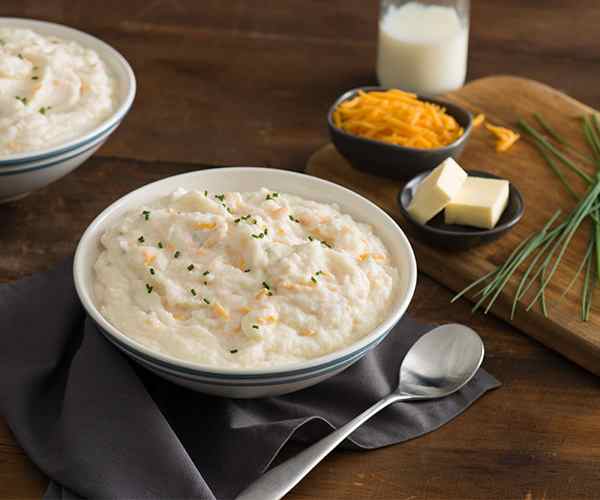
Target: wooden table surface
[[249, 83]]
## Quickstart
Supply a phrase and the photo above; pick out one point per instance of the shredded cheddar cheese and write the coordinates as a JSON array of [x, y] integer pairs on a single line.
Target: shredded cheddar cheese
[[375, 256], [478, 120], [266, 320], [220, 311], [397, 117], [148, 258], [205, 226], [506, 137]]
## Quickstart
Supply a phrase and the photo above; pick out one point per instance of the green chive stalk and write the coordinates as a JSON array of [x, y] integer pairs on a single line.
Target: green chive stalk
[[543, 251], [560, 139]]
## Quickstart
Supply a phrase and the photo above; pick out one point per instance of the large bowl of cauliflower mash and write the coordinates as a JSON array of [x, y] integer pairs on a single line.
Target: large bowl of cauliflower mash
[[244, 282]]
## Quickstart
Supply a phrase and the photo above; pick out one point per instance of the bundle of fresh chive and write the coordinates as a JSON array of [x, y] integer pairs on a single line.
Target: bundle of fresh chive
[[542, 252]]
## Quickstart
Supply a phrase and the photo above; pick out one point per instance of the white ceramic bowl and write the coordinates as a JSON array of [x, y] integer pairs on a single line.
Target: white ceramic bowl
[[244, 383], [25, 172]]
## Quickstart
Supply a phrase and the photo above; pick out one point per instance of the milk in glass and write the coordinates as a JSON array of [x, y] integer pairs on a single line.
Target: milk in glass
[[423, 47]]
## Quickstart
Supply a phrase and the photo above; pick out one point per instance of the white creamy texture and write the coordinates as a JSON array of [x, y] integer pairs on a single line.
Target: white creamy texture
[[243, 279], [51, 91]]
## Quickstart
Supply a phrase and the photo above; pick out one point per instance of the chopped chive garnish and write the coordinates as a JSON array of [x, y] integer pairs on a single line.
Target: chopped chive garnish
[[328, 245], [246, 270], [220, 197], [313, 279], [233, 351], [190, 267], [206, 283], [152, 271], [205, 192], [266, 285], [193, 291], [310, 238], [35, 77], [271, 196], [256, 327], [205, 273], [206, 300], [160, 245], [293, 219], [261, 235], [22, 99], [20, 56], [248, 219], [237, 221], [149, 288], [146, 214], [318, 273], [177, 254], [141, 239]]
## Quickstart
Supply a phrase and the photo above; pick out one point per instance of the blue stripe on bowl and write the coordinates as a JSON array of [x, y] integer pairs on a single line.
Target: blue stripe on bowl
[[52, 163], [245, 383], [109, 126], [237, 379]]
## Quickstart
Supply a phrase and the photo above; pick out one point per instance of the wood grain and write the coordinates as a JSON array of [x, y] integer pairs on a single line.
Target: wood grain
[[248, 83], [504, 100]]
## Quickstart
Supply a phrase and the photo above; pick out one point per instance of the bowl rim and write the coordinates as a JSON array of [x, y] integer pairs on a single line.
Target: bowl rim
[[396, 147], [117, 115], [90, 237], [476, 232]]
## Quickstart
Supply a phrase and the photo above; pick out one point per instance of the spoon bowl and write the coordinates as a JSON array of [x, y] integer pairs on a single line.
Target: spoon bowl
[[440, 362]]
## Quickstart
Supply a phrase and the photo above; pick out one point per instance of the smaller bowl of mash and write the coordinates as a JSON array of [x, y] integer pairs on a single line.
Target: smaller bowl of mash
[[62, 93], [244, 282]]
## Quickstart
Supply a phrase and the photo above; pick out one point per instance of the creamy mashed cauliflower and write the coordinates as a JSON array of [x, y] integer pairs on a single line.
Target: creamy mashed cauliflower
[[51, 91], [248, 280]]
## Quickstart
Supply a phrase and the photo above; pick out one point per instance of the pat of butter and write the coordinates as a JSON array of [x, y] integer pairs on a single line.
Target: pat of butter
[[479, 203], [436, 190]]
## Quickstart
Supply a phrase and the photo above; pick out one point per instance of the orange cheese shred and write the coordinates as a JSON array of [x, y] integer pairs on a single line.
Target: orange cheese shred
[[205, 226], [505, 137], [149, 258], [478, 120], [397, 117], [220, 311]]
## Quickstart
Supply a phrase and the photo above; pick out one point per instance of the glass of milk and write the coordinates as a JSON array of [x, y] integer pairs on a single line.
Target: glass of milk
[[423, 45]]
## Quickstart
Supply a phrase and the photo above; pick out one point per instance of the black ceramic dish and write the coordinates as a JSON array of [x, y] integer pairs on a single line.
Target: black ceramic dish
[[454, 236], [390, 160]]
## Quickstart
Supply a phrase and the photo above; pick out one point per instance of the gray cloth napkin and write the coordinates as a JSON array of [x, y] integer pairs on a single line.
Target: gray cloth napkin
[[101, 427]]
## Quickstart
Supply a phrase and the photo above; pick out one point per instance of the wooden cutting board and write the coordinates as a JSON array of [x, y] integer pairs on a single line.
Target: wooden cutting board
[[503, 99]]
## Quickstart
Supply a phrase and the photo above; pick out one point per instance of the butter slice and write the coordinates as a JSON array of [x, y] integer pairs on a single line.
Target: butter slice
[[479, 203], [436, 190]]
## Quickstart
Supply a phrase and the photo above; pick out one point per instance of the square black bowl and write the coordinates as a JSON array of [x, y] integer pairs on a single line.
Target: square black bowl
[[391, 160]]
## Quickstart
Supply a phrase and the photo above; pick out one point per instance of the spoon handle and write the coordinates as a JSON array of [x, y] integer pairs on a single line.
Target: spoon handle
[[274, 484]]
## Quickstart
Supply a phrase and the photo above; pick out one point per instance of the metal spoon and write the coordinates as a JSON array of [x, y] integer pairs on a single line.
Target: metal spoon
[[437, 365]]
